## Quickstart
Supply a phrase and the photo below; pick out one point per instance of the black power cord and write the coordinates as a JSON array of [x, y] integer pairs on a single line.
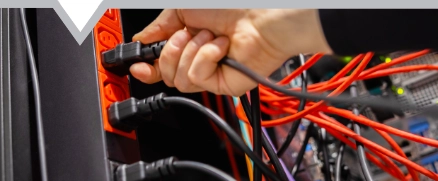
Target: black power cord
[[360, 147], [300, 156], [389, 105], [296, 124], [234, 137], [322, 134], [340, 154], [268, 147], [141, 171], [203, 168], [119, 59], [131, 112], [128, 114], [37, 97], [257, 129]]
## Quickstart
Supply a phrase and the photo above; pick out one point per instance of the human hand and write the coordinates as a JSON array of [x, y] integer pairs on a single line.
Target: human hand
[[197, 39]]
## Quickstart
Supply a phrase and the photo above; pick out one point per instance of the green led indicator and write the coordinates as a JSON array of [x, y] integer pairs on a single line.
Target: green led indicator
[[400, 91], [387, 60], [347, 59]]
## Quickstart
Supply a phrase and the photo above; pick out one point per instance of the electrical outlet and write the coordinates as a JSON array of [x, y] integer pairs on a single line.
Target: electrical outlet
[[111, 18], [107, 34], [106, 38]]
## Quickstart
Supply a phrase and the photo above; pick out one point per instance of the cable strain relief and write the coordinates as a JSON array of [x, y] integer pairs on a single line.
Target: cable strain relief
[[151, 52], [160, 168], [158, 47], [152, 104]]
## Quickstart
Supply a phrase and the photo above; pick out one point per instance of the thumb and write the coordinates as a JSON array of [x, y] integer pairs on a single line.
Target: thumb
[[162, 28]]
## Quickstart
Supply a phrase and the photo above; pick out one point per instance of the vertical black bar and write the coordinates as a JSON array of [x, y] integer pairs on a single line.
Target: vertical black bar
[[257, 128], [25, 155], [75, 138], [16, 148], [5, 123]]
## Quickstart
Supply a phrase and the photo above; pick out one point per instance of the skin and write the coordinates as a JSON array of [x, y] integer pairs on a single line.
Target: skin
[[261, 39]]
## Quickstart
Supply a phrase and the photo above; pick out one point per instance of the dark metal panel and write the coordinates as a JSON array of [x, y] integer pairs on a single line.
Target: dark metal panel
[[71, 108], [17, 150], [5, 123], [23, 120], [122, 149]]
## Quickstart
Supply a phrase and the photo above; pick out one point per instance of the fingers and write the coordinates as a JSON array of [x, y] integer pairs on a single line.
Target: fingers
[[182, 81], [189, 64], [204, 71], [164, 68], [162, 28], [171, 54], [146, 73]]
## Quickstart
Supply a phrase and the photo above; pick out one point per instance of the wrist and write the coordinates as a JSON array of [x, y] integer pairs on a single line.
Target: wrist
[[316, 40], [293, 31]]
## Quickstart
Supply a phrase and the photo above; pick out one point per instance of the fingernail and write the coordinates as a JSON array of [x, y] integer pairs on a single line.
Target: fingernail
[[222, 41], [203, 37], [179, 39], [136, 37]]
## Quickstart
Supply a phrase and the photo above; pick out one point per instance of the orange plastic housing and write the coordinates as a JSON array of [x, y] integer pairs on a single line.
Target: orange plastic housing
[[107, 34]]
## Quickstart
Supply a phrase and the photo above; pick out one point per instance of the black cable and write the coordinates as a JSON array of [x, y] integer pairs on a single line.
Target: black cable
[[388, 105], [323, 146], [339, 159], [118, 59], [302, 150], [256, 129], [360, 147], [246, 107], [234, 137], [296, 124], [268, 147], [362, 109], [37, 97], [212, 171], [163, 168]]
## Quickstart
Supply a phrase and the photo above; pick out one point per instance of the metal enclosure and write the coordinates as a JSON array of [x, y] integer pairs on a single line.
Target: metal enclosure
[[17, 151], [77, 145]]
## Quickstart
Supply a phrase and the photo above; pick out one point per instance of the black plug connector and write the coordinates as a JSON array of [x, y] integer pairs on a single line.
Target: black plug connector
[[160, 169], [141, 171], [119, 59], [129, 114]]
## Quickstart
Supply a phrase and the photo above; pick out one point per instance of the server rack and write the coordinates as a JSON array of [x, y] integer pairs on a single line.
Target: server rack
[[18, 151], [75, 92]]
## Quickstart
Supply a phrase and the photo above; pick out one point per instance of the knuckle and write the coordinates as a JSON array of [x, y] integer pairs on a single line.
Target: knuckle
[[168, 83], [195, 79], [181, 86], [164, 58]]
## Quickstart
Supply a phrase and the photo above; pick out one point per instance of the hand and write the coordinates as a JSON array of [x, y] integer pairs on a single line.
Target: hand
[[197, 39]]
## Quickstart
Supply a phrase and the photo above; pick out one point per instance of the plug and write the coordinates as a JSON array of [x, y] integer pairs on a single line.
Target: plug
[[119, 59], [141, 171], [129, 114]]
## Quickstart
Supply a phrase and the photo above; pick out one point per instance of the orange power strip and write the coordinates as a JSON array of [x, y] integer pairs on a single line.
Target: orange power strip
[[107, 34]]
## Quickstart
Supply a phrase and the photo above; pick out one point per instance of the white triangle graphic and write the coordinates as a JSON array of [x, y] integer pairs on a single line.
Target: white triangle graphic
[[80, 11]]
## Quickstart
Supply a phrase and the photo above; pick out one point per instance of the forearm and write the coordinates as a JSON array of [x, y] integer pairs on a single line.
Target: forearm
[[358, 31]]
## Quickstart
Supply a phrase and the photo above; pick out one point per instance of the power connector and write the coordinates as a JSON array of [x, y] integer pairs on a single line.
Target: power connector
[[129, 114], [141, 171], [119, 59]]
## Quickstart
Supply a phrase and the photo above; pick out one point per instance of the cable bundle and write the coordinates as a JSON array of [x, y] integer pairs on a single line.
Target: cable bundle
[[277, 103], [306, 102]]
